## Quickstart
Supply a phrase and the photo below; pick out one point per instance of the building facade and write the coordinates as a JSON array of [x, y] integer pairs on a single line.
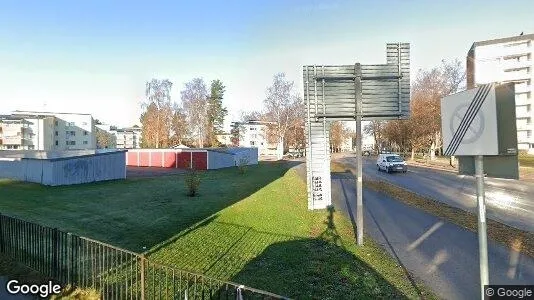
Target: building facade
[[505, 60], [28, 130], [128, 138], [65, 131], [253, 133]]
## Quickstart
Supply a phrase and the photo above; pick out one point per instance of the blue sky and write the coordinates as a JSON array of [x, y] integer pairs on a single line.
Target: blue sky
[[95, 56]]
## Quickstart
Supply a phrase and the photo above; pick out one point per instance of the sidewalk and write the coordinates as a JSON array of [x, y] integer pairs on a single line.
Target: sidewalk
[[440, 254]]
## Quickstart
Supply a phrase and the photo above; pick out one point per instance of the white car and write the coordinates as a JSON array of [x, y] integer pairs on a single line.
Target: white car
[[391, 163]]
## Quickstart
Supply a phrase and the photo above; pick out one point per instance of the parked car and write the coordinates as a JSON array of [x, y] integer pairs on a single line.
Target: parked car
[[391, 163]]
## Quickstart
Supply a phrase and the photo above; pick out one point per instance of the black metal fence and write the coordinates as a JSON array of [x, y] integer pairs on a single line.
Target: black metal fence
[[116, 273]]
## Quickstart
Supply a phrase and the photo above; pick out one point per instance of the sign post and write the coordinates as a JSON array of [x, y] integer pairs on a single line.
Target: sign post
[[350, 93], [482, 235], [359, 161], [472, 127]]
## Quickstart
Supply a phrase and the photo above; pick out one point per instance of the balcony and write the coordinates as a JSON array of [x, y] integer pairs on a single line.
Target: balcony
[[523, 127], [12, 140], [516, 74], [516, 64], [516, 50], [523, 114], [522, 88]]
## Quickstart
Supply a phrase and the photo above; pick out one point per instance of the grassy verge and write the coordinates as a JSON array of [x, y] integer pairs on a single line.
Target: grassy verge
[[133, 213], [519, 240], [254, 229], [272, 242]]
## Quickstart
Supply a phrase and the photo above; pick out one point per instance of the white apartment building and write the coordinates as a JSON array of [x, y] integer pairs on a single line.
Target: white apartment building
[[128, 138], [19, 133], [30, 130], [253, 133], [504, 60]]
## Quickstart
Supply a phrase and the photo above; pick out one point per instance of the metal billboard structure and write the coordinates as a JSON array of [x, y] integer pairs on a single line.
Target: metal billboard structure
[[350, 93]]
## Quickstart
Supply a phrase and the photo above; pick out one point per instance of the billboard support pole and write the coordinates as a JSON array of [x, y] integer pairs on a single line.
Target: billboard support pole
[[359, 188], [482, 237]]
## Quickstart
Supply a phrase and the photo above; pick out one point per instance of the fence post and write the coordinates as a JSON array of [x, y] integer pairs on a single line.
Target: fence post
[[1, 233], [55, 253], [142, 277]]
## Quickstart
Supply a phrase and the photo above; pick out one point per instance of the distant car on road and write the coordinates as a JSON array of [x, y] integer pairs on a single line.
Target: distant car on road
[[391, 163]]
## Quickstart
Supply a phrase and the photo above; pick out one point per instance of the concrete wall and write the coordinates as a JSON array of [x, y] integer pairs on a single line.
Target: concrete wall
[[65, 171], [219, 160], [88, 169], [30, 170]]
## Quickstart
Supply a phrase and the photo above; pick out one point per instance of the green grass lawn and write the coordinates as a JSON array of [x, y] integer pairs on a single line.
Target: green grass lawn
[[133, 213], [253, 229]]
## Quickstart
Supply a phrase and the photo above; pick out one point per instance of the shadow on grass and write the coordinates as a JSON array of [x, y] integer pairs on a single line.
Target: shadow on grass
[[136, 214], [315, 268], [294, 266]]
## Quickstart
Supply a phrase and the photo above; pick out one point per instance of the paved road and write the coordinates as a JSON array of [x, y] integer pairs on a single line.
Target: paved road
[[440, 254], [508, 201]]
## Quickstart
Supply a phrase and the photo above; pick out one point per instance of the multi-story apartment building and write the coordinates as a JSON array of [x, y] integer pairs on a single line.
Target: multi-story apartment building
[[30, 130], [504, 60], [128, 138], [26, 133], [253, 133]]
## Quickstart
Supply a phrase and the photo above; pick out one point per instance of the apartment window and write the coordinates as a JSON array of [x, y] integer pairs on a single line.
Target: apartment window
[[57, 123], [31, 147], [71, 143], [252, 128], [252, 143], [85, 133], [85, 142], [71, 132], [57, 133], [71, 124], [57, 143]]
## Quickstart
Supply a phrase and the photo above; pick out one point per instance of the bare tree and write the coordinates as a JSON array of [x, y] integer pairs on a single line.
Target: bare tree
[[180, 127], [157, 115], [427, 91], [375, 128], [282, 107], [195, 103], [104, 139], [339, 134]]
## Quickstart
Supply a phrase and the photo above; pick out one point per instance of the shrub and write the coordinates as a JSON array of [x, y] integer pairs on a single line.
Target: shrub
[[242, 164], [192, 182]]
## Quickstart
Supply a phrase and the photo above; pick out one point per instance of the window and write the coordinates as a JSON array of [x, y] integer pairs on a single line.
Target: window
[[31, 147], [57, 123], [57, 143], [85, 142], [70, 132], [85, 133], [252, 143], [56, 133], [71, 143]]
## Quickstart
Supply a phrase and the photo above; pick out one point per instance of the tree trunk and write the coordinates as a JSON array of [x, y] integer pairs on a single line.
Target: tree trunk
[[413, 153], [432, 152]]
